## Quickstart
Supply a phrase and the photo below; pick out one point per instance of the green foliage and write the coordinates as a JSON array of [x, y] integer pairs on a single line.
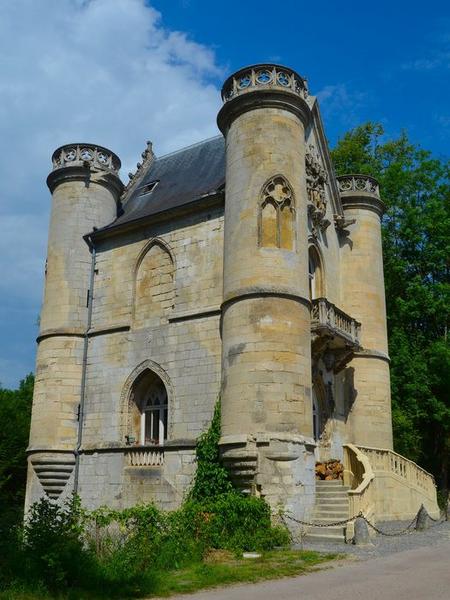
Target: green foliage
[[127, 553], [15, 415], [416, 244], [211, 477]]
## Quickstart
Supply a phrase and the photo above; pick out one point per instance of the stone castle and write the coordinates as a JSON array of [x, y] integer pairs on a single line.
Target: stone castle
[[242, 268]]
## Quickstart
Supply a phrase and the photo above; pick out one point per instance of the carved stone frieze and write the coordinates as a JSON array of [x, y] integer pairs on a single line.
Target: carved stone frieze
[[86, 155], [264, 76]]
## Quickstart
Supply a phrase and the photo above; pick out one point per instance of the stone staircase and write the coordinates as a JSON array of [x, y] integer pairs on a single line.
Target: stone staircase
[[331, 505]]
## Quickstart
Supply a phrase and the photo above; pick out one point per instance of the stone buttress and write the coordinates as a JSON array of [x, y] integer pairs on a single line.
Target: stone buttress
[[266, 351], [85, 190]]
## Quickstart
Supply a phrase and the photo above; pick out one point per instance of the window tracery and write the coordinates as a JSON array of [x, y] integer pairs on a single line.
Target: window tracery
[[277, 215]]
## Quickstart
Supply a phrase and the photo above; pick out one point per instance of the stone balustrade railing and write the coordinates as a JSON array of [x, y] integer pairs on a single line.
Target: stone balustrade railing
[[72, 155], [145, 457], [358, 183], [264, 76], [383, 460], [326, 314], [358, 475]]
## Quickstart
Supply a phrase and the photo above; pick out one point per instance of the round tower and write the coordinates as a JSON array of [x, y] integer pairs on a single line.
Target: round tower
[[85, 189], [363, 297], [266, 344]]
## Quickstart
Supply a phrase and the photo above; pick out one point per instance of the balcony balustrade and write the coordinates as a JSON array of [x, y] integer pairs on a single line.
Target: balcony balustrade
[[334, 332]]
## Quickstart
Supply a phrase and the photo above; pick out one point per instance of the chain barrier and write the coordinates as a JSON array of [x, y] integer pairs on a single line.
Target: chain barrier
[[361, 515]]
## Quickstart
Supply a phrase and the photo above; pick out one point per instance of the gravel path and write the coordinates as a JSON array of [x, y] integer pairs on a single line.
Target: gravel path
[[382, 545]]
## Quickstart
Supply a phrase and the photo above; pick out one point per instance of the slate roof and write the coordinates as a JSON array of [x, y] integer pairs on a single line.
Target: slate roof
[[183, 177]]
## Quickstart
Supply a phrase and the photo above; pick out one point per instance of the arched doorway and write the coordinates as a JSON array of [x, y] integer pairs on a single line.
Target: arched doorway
[[149, 410]]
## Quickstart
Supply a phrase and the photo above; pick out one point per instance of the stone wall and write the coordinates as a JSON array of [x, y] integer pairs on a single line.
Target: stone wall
[[181, 343]]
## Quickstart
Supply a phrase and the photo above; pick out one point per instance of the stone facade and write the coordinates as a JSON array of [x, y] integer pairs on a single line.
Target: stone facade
[[240, 266]]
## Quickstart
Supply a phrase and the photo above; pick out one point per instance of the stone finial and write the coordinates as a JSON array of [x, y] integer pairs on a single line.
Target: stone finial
[[86, 155]]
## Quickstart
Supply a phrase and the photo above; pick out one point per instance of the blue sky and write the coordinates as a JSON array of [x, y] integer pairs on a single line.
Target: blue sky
[[119, 72]]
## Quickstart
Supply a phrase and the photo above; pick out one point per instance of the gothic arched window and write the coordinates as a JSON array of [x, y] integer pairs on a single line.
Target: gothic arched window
[[154, 415], [277, 215], [149, 410]]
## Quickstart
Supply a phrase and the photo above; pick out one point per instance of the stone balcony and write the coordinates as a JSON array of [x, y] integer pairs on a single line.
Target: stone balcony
[[335, 335]]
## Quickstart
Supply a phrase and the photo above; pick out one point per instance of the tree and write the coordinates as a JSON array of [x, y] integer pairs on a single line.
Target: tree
[[15, 415], [415, 187]]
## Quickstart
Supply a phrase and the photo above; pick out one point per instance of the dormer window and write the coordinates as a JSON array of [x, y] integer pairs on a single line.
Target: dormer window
[[147, 188]]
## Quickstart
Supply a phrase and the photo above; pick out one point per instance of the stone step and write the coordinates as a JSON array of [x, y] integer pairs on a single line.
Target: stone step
[[333, 514], [330, 499], [334, 491], [324, 538], [335, 530], [329, 518], [332, 483], [333, 507]]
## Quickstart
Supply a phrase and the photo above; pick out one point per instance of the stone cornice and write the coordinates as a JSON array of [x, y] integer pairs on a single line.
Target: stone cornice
[[264, 291], [263, 98], [107, 179], [363, 201], [196, 206]]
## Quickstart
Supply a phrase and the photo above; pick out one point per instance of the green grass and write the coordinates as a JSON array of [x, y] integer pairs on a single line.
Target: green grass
[[220, 568], [224, 569]]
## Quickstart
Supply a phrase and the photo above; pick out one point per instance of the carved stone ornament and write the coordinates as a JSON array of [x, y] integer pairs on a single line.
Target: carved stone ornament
[[316, 179], [264, 76], [86, 155], [141, 168]]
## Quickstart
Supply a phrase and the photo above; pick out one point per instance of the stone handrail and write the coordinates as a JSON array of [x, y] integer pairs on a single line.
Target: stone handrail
[[144, 457], [384, 460], [326, 314], [358, 474]]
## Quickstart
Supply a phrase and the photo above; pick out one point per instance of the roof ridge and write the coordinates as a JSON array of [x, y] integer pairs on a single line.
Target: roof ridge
[[188, 147]]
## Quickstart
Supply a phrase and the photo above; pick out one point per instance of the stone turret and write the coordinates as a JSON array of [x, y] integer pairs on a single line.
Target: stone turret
[[266, 369], [85, 188], [363, 297]]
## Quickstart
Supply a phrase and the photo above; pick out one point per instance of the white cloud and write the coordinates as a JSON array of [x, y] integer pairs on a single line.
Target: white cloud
[[103, 71]]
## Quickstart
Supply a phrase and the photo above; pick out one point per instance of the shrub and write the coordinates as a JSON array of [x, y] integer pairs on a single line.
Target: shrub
[[211, 478]]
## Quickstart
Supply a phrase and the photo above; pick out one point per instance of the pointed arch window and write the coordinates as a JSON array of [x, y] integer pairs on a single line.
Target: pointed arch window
[[154, 415], [277, 215], [147, 416]]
